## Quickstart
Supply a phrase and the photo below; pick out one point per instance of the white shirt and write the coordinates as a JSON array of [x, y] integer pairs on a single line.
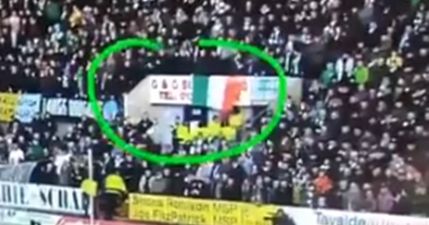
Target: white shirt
[[16, 156], [14, 23], [60, 160]]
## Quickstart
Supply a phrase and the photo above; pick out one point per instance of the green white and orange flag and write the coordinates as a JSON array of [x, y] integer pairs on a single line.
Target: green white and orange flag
[[217, 92]]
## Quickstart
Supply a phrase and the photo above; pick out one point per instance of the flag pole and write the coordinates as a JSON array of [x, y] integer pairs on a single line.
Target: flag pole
[[91, 177], [270, 106]]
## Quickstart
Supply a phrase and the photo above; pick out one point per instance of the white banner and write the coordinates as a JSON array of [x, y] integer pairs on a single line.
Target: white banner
[[43, 198], [56, 106], [15, 217], [79, 108], [306, 216], [170, 90], [76, 108], [28, 108]]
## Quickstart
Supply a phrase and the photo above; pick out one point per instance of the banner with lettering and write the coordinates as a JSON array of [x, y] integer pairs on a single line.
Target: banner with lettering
[[53, 199], [170, 90], [76, 108], [8, 106], [175, 210], [308, 216], [28, 108], [56, 106], [79, 108]]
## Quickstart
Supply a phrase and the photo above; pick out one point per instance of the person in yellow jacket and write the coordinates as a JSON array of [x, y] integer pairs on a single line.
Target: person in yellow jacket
[[236, 120], [214, 128], [183, 133], [204, 132], [194, 132], [115, 184], [113, 196], [229, 133]]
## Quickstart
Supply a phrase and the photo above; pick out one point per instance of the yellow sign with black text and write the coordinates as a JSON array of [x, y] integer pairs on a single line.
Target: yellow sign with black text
[[8, 106], [188, 211]]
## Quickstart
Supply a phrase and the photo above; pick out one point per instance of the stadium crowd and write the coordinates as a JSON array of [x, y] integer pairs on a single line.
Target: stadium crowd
[[357, 141]]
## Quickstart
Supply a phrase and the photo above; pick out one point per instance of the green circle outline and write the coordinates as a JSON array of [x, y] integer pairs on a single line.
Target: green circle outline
[[152, 45]]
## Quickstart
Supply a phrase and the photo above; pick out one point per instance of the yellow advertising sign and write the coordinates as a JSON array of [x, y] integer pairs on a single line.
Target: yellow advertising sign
[[176, 210], [8, 106]]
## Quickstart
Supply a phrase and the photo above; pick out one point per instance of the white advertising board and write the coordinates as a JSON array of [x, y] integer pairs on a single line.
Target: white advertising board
[[53, 199], [306, 216]]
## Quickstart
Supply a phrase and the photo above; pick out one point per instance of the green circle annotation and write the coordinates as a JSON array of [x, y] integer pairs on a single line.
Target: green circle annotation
[[151, 45]]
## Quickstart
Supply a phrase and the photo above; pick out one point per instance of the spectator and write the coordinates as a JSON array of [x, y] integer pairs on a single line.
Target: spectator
[[354, 197], [402, 204], [36, 152], [49, 174], [231, 191], [385, 200], [369, 203], [3, 149], [15, 24], [112, 196], [323, 183], [16, 155]]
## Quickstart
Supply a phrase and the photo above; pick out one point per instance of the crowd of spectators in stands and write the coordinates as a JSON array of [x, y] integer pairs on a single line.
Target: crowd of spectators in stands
[[357, 141]]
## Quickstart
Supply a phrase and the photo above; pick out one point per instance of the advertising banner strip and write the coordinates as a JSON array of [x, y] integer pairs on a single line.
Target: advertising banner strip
[[77, 108], [176, 210], [175, 90], [26, 107], [53, 199]]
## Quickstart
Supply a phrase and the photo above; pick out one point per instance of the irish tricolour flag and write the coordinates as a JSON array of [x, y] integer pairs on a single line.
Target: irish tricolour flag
[[217, 92]]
